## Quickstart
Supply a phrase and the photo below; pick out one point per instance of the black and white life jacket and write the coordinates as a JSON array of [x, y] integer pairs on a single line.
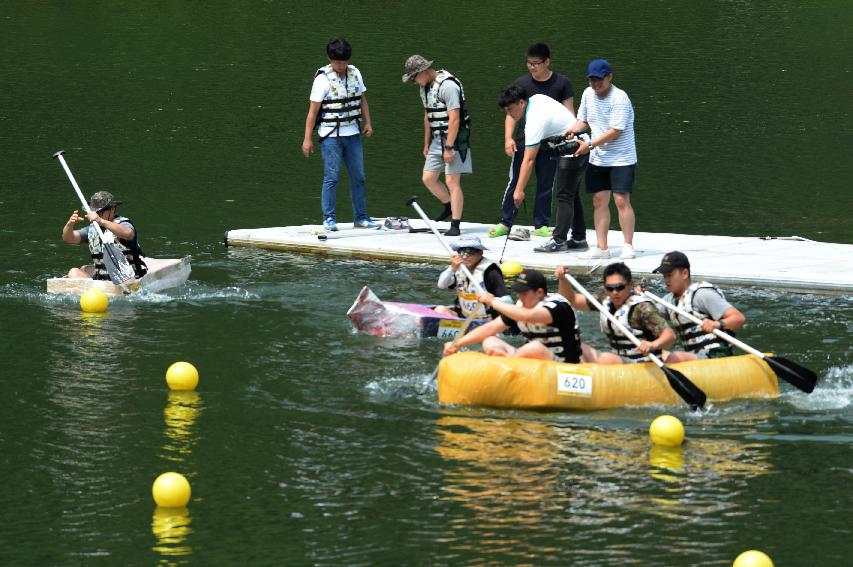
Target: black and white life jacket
[[692, 337], [619, 342], [436, 109], [467, 290], [565, 347], [130, 248], [342, 105]]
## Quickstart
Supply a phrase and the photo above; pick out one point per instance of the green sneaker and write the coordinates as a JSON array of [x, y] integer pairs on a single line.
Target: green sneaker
[[543, 231], [498, 230]]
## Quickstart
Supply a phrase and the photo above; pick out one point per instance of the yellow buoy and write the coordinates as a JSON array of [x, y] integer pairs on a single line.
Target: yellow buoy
[[94, 301], [510, 270], [171, 490], [666, 430], [182, 376], [753, 558]]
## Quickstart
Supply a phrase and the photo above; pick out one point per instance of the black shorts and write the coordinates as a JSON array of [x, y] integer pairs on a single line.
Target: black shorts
[[618, 178]]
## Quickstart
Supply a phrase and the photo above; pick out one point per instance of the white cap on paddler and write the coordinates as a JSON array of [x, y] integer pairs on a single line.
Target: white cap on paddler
[[468, 242]]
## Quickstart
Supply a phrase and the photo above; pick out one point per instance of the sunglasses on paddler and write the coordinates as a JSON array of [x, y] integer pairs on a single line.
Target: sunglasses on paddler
[[617, 287], [468, 251]]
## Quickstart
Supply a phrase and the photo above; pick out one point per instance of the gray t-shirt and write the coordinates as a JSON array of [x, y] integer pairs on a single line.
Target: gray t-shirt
[[450, 93], [705, 300], [84, 234]]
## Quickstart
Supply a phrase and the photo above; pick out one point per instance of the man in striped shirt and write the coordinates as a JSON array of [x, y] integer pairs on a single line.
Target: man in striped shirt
[[606, 110]]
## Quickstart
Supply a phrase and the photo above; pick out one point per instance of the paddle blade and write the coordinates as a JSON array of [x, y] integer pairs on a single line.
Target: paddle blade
[[682, 385], [117, 265], [792, 373]]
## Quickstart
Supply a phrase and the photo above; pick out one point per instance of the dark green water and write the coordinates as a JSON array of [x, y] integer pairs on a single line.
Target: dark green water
[[309, 444]]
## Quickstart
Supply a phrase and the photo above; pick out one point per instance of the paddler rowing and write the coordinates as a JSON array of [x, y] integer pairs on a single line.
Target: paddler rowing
[[546, 321], [468, 251], [117, 265], [103, 213]]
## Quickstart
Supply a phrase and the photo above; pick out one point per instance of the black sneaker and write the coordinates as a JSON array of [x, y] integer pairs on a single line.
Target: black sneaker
[[552, 246], [452, 231], [577, 245]]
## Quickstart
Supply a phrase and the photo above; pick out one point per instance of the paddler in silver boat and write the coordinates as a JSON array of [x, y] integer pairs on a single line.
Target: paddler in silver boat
[[103, 212]]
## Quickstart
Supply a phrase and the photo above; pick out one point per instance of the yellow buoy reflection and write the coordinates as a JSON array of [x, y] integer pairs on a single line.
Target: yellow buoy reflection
[[666, 460], [171, 527], [180, 413]]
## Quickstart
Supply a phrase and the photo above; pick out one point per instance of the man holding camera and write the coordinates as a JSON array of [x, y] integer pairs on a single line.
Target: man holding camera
[[546, 118]]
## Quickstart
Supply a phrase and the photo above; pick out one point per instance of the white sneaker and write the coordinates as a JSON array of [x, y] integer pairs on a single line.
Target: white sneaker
[[627, 252], [595, 254]]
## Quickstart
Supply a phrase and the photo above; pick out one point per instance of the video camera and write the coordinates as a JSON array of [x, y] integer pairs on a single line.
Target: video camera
[[557, 146]]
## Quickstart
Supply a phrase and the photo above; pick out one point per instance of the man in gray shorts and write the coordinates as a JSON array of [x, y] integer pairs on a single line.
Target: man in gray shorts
[[447, 134], [702, 300]]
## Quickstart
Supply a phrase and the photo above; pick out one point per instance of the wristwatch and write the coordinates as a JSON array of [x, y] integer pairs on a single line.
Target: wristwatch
[[590, 145], [722, 323], [448, 147]]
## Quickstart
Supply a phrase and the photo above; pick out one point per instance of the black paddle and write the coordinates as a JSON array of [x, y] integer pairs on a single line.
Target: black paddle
[[787, 370], [682, 385], [116, 264]]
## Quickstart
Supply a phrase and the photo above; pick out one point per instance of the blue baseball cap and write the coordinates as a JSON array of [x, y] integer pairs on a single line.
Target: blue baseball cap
[[598, 68]]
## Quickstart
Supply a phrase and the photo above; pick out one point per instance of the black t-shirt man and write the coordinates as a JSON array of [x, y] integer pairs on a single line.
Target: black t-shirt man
[[556, 86]]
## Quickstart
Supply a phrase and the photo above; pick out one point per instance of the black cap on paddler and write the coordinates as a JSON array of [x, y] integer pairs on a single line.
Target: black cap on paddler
[[530, 279], [672, 261]]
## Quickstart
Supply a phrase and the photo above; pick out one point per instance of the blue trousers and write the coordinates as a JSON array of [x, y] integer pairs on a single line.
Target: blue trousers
[[347, 149], [545, 169]]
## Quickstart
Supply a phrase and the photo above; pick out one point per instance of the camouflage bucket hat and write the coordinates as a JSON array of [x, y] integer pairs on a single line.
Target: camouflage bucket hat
[[414, 65], [102, 200]]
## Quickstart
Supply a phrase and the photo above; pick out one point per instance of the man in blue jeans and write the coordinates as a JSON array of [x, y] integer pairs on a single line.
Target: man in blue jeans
[[336, 109]]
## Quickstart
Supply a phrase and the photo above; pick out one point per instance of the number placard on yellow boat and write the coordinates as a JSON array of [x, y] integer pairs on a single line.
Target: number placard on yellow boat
[[449, 329], [574, 382]]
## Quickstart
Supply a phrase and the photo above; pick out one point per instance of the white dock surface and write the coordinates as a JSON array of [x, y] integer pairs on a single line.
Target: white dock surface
[[786, 263]]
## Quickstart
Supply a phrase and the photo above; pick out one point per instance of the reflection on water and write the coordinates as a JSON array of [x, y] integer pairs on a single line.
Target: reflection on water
[[171, 527], [530, 483], [181, 412]]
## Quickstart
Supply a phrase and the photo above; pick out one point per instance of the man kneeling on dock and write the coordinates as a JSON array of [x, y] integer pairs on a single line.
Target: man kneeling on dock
[[702, 300], [546, 320]]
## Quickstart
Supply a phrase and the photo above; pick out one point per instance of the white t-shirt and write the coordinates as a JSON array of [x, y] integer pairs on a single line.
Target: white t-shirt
[[612, 111], [319, 91], [545, 117]]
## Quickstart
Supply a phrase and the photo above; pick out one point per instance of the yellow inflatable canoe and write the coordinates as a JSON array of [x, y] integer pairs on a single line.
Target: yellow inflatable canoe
[[472, 378]]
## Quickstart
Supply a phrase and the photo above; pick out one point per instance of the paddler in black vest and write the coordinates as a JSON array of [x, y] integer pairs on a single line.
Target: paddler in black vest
[[546, 320], [702, 300], [468, 250], [103, 212], [634, 311]]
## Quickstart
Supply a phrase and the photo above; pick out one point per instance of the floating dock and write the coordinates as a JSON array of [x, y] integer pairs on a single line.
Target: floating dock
[[783, 263]]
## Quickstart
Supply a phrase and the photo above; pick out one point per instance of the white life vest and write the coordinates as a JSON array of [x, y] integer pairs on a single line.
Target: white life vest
[[436, 109], [692, 336], [565, 347], [342, 105], [467, 291], [619, 342], [130, 248]]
